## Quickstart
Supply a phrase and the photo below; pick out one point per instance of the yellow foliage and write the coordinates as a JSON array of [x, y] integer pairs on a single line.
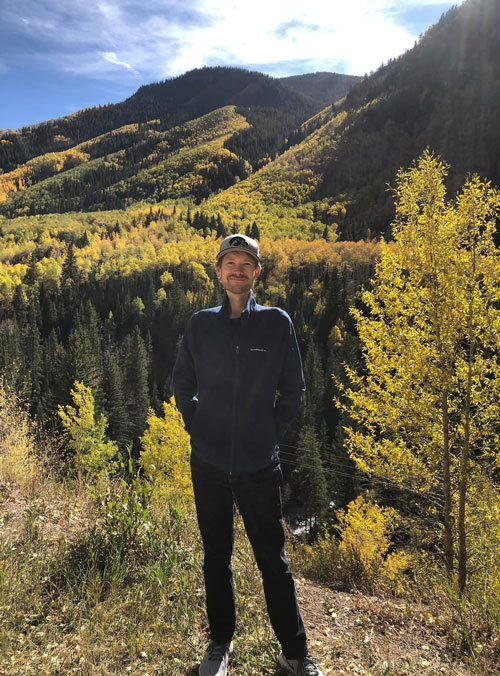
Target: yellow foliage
[[38, 169], [361, 557], [425, 413], [161, 297], [165, 453], [335, 337], [10, 278], [135, 249], [18, 462], [365, 539], [319, 561], [483, 534], [49, 272], [85, 435], [166, 278], [200, 278]]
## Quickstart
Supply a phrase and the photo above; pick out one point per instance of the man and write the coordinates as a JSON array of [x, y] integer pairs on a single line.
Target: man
[[233, 362]]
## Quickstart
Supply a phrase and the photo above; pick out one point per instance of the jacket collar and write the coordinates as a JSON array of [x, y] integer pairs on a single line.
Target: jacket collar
[[250, 306]]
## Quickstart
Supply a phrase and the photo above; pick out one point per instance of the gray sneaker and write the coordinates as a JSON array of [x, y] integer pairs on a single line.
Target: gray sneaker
[[214, 662], [303, 667]]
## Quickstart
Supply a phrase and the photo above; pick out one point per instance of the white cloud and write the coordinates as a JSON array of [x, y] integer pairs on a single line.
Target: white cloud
[[359, 33], [112, 58], [154, 40]]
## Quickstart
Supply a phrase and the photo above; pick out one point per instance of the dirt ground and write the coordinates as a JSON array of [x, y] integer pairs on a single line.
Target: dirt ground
[[355, 634]]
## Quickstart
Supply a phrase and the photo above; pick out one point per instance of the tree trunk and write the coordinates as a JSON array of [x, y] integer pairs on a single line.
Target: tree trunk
[[448, 523], [462, 497], [465, 455]]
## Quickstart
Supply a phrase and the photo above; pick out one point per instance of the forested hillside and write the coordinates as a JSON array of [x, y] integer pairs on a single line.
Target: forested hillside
[[184, 161], [108, 238], [172, 101], [114, 226], [326, 166], [444, 95], [323, 87]]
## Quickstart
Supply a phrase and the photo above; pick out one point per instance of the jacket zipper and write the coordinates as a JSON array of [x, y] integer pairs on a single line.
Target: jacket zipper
[[233, 429]]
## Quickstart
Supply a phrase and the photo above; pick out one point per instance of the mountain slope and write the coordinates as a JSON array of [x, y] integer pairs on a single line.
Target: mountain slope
[[325, 173], [324, 87], [186, 160], [444, 94], [173, 102]]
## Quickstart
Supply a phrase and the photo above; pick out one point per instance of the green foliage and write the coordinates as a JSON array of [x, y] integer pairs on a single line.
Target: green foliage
[[311, 479], [86, 435], [186, 160], [166, 104], [136, 383], [325, 87], [124, 593], [320, 560], [443, 94]]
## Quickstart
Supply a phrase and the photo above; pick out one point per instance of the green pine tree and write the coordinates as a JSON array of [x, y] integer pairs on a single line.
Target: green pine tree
[[311, 480], [136, 383]]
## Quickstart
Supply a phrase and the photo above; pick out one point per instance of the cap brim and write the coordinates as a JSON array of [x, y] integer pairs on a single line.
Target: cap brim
[[221, 254]]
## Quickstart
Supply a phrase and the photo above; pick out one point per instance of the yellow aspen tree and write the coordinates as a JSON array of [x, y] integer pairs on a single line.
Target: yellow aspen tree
[[94, 453], [165, 452], [425, 410]]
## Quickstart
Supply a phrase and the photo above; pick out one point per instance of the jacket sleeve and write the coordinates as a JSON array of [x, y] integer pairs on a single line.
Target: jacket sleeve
[[184, 380], [291, 384]]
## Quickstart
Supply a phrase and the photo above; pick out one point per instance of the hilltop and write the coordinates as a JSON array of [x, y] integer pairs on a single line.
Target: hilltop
[[323, 87], [173, 101]]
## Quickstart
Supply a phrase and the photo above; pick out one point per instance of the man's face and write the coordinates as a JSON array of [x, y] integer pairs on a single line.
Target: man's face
[[237, 271]]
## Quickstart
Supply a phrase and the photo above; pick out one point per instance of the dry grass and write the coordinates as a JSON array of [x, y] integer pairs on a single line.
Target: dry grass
[[96, 588], [87, 605]]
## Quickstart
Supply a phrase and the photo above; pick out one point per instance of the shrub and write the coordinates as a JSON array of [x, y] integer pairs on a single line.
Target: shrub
[[86, 435], [165, 454], [360, 557], [365, 539], [319, 561], [18, 462]]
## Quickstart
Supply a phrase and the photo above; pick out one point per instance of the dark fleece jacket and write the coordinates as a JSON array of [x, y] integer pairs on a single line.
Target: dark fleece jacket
[[238, 386]]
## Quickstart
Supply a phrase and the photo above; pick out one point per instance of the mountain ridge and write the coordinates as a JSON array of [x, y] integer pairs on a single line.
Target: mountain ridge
[[322, 86], [174, 101]]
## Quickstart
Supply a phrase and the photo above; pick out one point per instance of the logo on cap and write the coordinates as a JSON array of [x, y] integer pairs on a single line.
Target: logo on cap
[[238, 241]]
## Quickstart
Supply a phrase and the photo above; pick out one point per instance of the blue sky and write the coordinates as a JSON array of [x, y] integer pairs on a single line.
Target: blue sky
[[58, 56]]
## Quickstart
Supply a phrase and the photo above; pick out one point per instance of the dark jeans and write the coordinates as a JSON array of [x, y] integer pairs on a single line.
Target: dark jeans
[[258, 497]]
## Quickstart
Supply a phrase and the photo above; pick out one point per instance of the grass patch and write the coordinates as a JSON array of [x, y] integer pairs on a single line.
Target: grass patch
[[125, 595]]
